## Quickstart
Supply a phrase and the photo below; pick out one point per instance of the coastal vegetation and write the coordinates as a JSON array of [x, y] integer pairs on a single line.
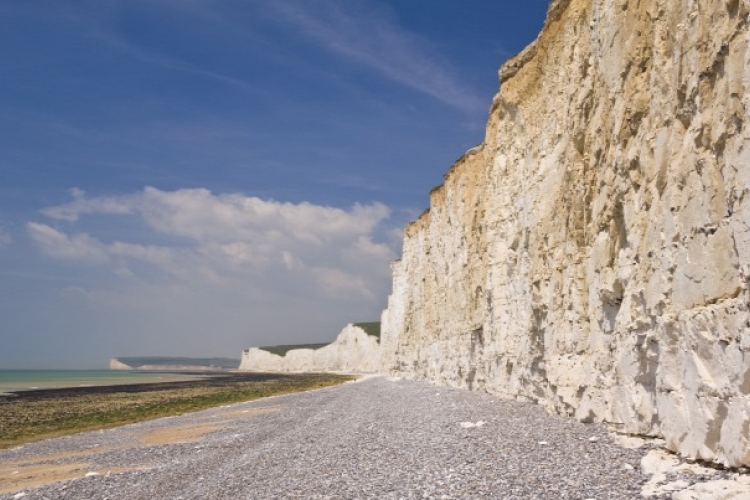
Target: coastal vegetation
[[34, 415], [372, 328]]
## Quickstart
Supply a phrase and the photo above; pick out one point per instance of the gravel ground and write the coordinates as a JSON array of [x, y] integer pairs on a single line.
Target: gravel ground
[[374, 439]]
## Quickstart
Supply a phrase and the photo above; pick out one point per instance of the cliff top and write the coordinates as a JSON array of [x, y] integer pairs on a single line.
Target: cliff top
[[281, 350], [515, 63]]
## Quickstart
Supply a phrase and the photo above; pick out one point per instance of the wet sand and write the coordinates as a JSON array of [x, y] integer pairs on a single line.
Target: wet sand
[[114, 378]]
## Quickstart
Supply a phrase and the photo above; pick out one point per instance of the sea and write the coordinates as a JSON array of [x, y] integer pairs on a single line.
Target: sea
[[29, 380]]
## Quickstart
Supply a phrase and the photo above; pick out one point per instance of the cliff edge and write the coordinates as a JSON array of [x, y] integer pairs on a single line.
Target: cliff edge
[[593, 253]]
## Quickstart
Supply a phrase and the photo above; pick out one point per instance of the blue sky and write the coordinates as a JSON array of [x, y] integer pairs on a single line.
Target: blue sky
[[197, 177]]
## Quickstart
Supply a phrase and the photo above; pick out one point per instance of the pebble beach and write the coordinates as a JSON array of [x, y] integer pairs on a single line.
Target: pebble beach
[[375, 438]]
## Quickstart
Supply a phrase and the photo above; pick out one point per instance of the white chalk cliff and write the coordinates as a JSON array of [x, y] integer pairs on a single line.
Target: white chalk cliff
[[352, 351], [593, 253]]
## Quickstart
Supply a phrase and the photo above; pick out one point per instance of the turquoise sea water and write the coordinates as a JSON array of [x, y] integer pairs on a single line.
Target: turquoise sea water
[[24, 380]]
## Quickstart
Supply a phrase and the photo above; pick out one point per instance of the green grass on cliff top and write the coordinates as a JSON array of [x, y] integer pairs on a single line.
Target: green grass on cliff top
[[281, 350], [372, 328]]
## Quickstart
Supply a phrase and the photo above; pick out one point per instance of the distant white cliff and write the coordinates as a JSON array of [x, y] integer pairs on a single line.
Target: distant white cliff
[[352, 351], [116, 364], [172, 363]]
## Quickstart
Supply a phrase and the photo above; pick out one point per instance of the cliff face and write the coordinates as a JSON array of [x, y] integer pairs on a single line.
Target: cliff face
[[593, 253], [352, 351]]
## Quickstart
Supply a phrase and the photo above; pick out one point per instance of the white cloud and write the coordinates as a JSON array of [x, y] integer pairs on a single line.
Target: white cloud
[[370, 37], [80, 205], [62, 246], [225, 239], [199, 273], [84, 248]]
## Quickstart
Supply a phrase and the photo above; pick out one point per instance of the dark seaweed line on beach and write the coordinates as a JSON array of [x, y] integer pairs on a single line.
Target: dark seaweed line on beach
[[32, 415]]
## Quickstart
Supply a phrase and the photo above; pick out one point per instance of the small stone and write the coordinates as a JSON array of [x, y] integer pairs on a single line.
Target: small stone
[[470, 425]]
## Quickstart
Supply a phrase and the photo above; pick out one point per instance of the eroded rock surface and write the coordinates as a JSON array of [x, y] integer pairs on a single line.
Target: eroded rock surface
[[593, 253]]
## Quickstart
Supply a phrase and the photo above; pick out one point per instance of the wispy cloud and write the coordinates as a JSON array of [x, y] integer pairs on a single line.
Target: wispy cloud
[[170, 62], [97, 21], [5, 238], [368, 36], [82, 247], [81, 205]]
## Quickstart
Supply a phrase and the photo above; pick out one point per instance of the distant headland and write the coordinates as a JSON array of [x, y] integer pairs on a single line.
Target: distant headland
[[167, 363]]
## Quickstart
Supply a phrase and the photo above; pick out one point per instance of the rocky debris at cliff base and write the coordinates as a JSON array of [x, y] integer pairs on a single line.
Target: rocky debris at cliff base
[[669, 474], [634, 442], [715, 490]]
